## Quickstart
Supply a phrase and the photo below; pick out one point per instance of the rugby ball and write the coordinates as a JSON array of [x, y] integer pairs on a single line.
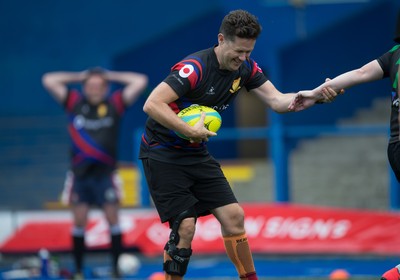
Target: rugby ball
[[191, 115]]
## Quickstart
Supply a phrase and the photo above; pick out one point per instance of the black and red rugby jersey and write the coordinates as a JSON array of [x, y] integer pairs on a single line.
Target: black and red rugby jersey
[[390, 62], [93, 131], [197, 79]]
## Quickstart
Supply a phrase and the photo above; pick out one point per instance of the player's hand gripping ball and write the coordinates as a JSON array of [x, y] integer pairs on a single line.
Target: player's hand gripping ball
[[191, 115]]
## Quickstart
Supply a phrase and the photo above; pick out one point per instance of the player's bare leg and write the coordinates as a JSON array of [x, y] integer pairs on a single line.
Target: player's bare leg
[[236, 244]]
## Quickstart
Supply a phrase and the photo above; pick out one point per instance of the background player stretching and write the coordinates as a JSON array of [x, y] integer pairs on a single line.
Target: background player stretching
[[93, 124]]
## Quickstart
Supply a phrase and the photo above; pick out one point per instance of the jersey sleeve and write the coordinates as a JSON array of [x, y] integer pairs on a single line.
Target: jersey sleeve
[[117, 101], [185, 75], [385, 61], [73, 97], [257, 77]]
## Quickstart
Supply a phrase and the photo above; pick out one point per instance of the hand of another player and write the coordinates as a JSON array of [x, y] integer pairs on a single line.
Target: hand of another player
[[329, 94], [200, 133], [302, 100]]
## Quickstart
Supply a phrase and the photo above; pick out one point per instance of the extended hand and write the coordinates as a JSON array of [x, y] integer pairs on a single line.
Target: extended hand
[[329, 94], [302, 100]]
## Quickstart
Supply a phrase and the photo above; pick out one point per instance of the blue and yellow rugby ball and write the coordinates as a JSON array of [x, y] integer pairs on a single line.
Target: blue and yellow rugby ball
[[191, 115]]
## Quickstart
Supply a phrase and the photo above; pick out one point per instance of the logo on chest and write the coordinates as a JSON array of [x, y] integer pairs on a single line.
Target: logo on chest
[[235, 85], [80, 122], [102, 110], [211, 91]]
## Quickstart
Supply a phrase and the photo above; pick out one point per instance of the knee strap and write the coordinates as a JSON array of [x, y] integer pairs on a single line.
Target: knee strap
[[179, 263], [180, 257], [174, 224]]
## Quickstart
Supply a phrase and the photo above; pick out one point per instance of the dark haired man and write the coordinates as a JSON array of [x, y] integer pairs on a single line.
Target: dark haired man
[[185, 181]]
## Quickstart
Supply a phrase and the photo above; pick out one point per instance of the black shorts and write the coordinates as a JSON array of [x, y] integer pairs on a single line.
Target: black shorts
[[394, 158], [176, 188], [96, 190]]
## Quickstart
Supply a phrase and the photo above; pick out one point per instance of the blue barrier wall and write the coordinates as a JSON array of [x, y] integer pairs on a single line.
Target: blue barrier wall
[[37, 37], [344, 46], [48, 35]]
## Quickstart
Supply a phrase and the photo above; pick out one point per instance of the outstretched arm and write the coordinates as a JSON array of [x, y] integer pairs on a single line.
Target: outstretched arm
[[134, 84], [371, 71], [273, 98], [279, 102], [56, 82]]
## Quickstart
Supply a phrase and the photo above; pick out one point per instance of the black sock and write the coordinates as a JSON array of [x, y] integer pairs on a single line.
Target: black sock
[[116, 250], [78, 243]]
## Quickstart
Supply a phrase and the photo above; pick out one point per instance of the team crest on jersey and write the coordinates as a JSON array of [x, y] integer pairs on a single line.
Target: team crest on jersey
[[102, 110], [235, 86], [186, 71]]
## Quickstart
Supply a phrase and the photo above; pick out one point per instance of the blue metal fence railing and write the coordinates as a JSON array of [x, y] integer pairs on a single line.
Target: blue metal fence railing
[[278, 136]]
